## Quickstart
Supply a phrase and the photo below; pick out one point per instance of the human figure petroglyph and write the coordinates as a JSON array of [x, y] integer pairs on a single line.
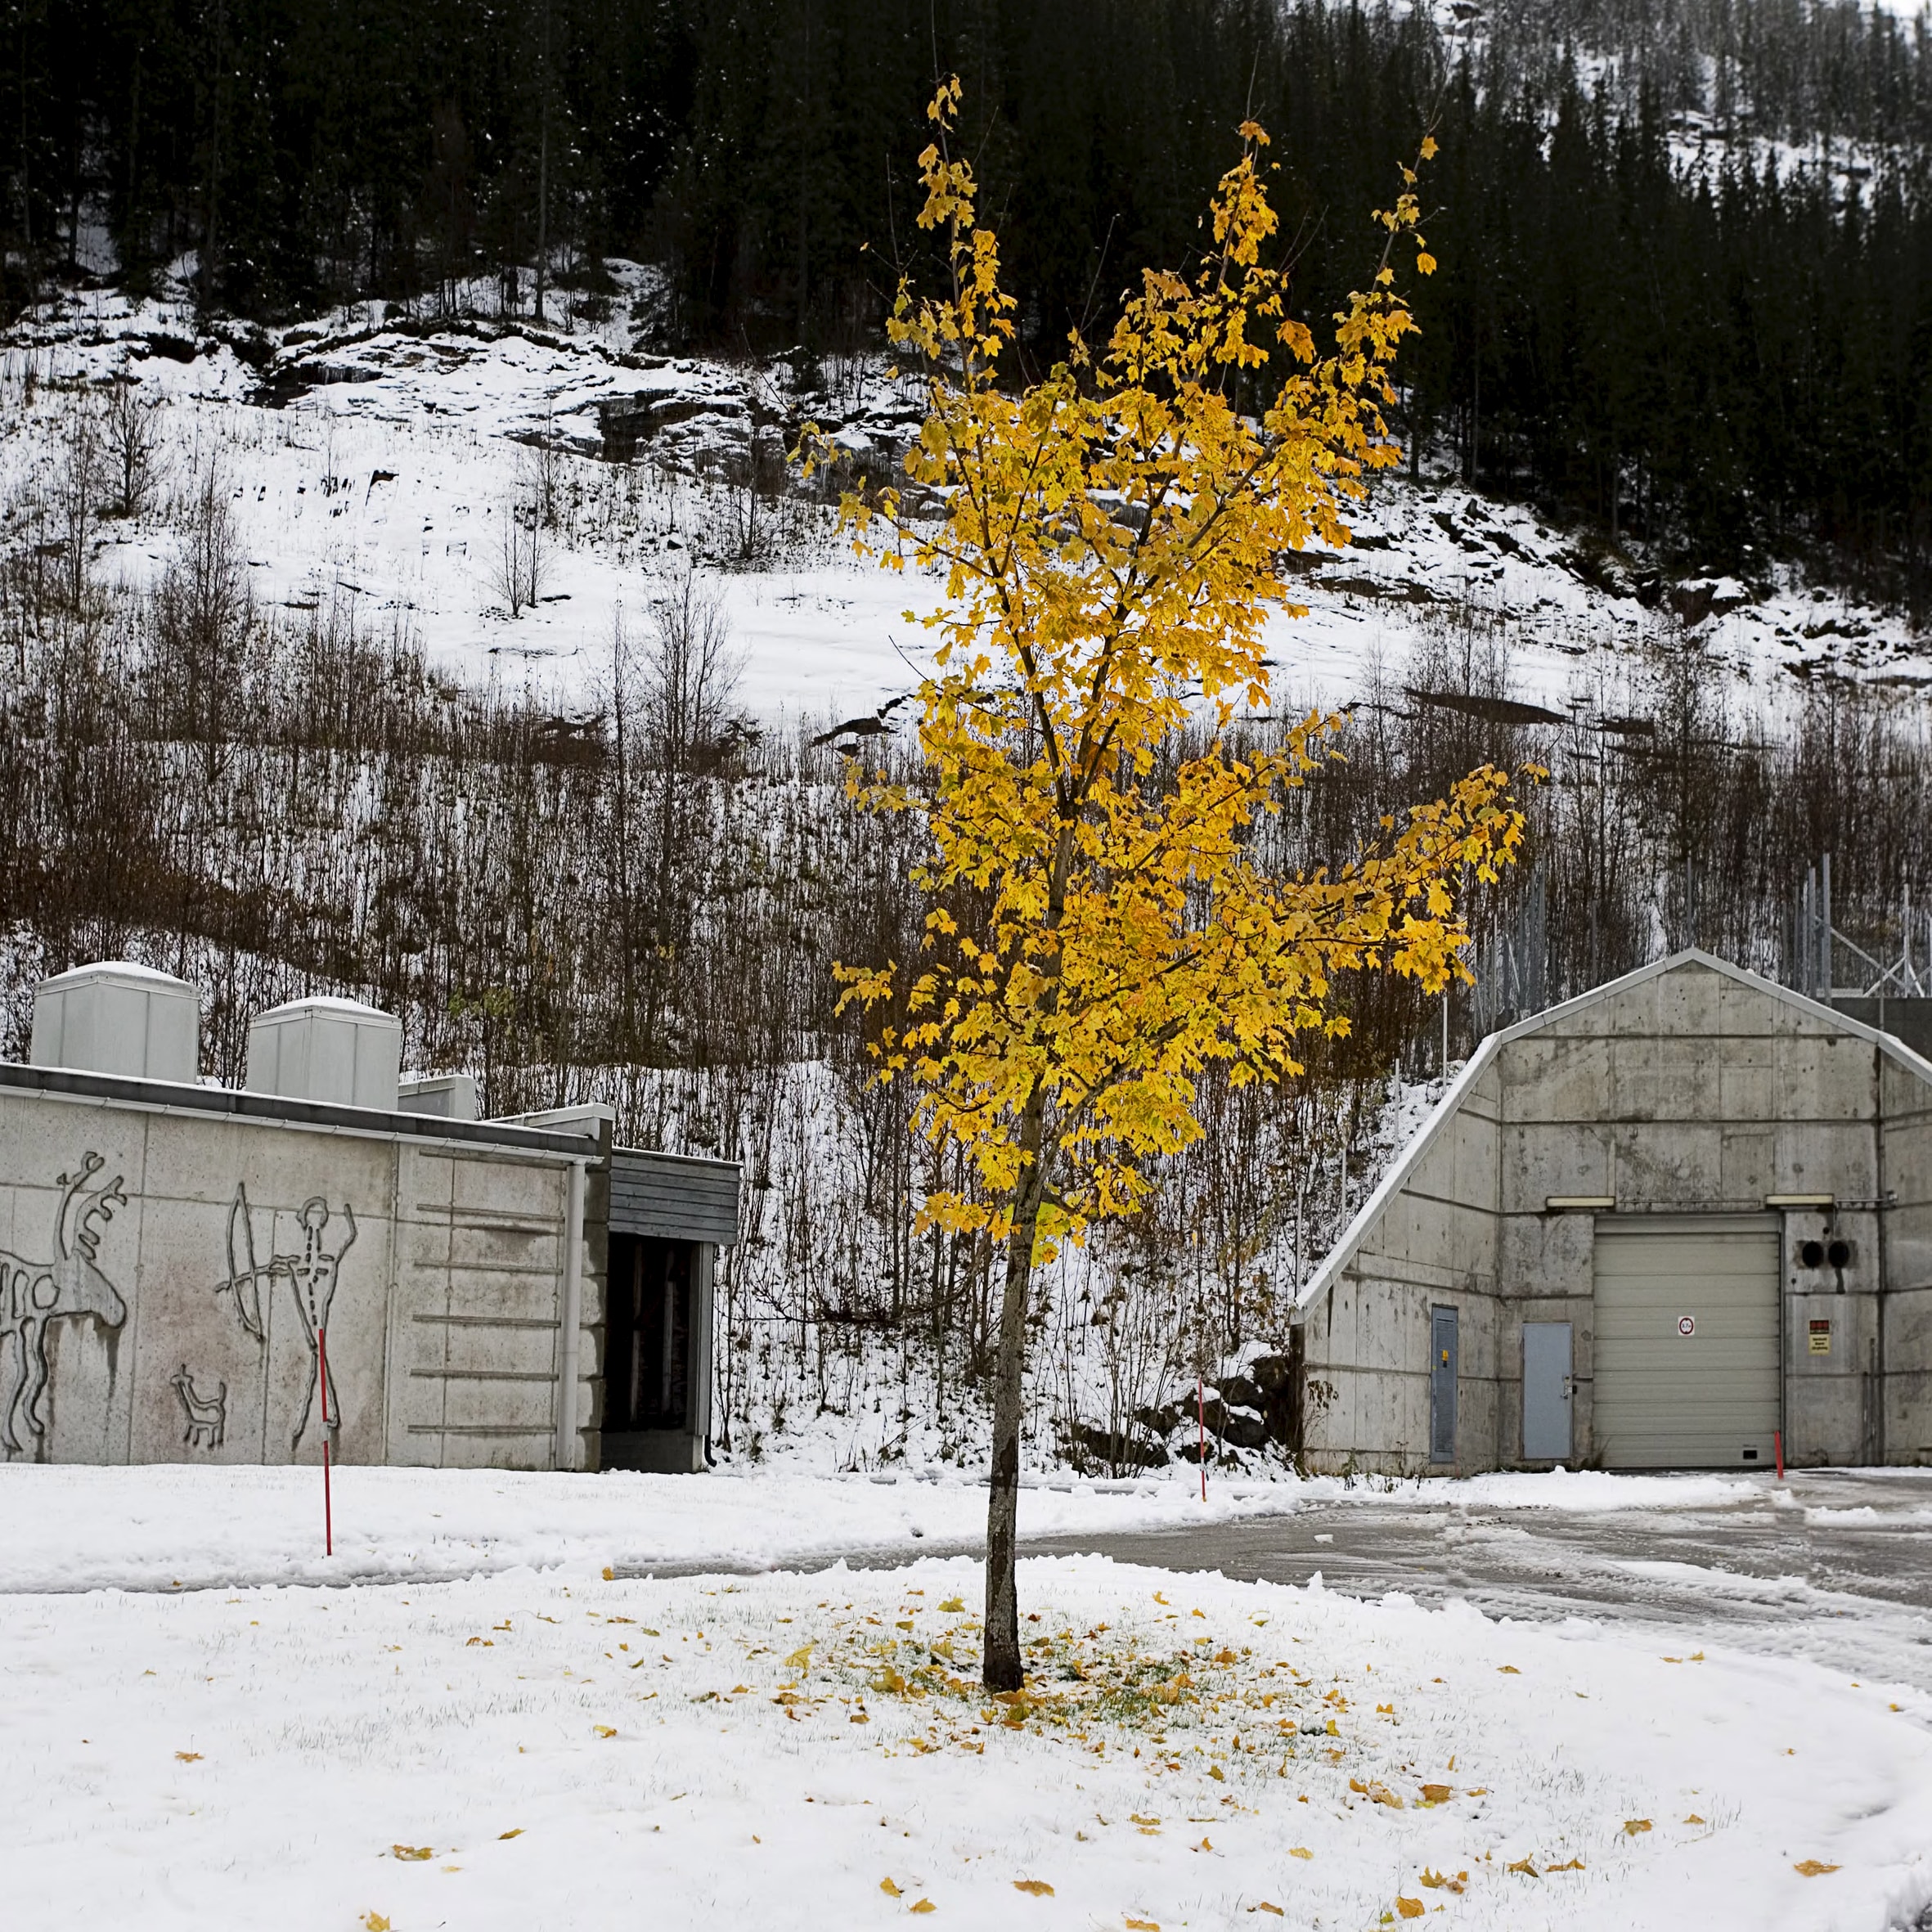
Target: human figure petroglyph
[[34, 1294], [311, 1275]]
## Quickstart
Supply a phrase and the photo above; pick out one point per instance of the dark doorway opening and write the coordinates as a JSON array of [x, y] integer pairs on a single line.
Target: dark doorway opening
[[647, 1361]]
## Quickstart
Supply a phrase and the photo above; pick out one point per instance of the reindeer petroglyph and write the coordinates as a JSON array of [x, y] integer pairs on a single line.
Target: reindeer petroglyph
[[34, 1294], [207, 1416], [313, 1275]]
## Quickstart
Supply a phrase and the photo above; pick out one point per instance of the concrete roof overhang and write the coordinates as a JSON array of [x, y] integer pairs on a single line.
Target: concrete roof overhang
[[1479, 1062]]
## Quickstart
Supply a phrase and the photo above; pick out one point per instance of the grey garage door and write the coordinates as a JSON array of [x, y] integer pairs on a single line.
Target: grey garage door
[[1686, 1351]]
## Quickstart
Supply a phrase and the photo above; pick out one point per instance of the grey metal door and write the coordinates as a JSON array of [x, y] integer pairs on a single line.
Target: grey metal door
[[1686, 1351], [1546, 1392], [1442, 1385]]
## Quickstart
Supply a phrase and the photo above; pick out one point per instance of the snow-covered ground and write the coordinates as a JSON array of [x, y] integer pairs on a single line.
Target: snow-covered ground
[[544, 1745], [378, 463], [167, 1527], [534, 1751]]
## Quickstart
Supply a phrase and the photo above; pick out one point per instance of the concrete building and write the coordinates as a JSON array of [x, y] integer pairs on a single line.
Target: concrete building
[[199, 1273], [1673, 1224]]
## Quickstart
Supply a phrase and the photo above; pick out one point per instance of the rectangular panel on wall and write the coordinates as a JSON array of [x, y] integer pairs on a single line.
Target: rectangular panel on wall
[[1687, 1346], [483, 1266]]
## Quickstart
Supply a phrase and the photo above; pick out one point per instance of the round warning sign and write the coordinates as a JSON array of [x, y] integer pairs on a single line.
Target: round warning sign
[[1686, 1324]]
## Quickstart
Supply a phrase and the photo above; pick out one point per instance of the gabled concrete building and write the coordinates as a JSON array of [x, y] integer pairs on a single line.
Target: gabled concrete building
[[1682, 1221], [191, 1272]]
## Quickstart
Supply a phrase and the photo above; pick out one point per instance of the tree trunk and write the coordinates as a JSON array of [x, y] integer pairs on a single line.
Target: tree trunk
[[1002, 1668]]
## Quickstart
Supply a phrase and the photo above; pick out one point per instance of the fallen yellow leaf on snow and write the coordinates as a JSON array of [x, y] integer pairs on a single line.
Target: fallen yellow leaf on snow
[[1264, 1905], [1574, 1865], [1525, 1868], [1037, 1888], [374, 1921], [890, 1890], [1438, 1793], [953, 1605], [1508, 1670], [1206, 1844], [1693, 1819], [188, 1757], [1143, 1926], [1813, 1868], [1299, 1851], [413, 1854], [800, 1659], [607, 1730], [923, 1905], [1410, 1909], [610, 1575], [514, 1831], [1631, 1826]]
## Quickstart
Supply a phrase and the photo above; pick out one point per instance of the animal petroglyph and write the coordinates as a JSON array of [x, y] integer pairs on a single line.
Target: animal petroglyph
[[34, 1294], [312, 1276], [207, 1417]]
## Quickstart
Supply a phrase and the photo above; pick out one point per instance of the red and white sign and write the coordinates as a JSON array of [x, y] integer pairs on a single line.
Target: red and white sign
[[1686, 1324]]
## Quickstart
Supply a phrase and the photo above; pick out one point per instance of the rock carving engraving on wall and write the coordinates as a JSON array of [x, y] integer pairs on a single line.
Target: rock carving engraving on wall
[[312, 1276], [34, 1294], [207, 1416]]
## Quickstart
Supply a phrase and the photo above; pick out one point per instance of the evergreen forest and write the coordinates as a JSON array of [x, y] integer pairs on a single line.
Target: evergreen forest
[[1686, 289]]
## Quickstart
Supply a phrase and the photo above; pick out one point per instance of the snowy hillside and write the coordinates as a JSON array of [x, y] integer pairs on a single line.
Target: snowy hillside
[[395, 464]]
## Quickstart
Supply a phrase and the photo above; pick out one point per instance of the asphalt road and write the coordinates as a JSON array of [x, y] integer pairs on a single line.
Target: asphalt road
[[1834, 1564]]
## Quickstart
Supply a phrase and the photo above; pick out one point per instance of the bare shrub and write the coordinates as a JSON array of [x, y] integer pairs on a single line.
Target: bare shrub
[[131, 446]]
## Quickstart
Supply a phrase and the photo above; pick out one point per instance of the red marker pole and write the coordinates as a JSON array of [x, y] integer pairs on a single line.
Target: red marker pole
[[1778, 1449], [322, 1348], [1200, 1416]]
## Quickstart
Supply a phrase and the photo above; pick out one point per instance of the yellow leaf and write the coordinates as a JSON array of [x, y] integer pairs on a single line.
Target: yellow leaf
[[606, 1730], [890, 1890], [514, 1831], [1299, 1851], [1410, 1909], [1206, 1844], [413, 1854], [188, 1757], [953, 1605], [1813, 1868], [1264, 1905], [1573, 1865], [1429, 147], [1218, 1776], [800, 1659], [1036, 1888], [1143, 1926], [374, 1921], [1508, 1670], [1631, 1826], [923, 1905], [610, 1575], [1438, 1793], [1525, 1866], [1693, 1819]]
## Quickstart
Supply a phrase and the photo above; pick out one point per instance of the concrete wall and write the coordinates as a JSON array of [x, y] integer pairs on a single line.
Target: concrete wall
[[1905, 1340], [1366, 1392], [1690, 1090], [164, 1271]]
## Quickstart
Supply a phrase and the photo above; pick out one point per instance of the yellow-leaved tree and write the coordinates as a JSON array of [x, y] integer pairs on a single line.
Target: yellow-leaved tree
[[1112, 538]]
